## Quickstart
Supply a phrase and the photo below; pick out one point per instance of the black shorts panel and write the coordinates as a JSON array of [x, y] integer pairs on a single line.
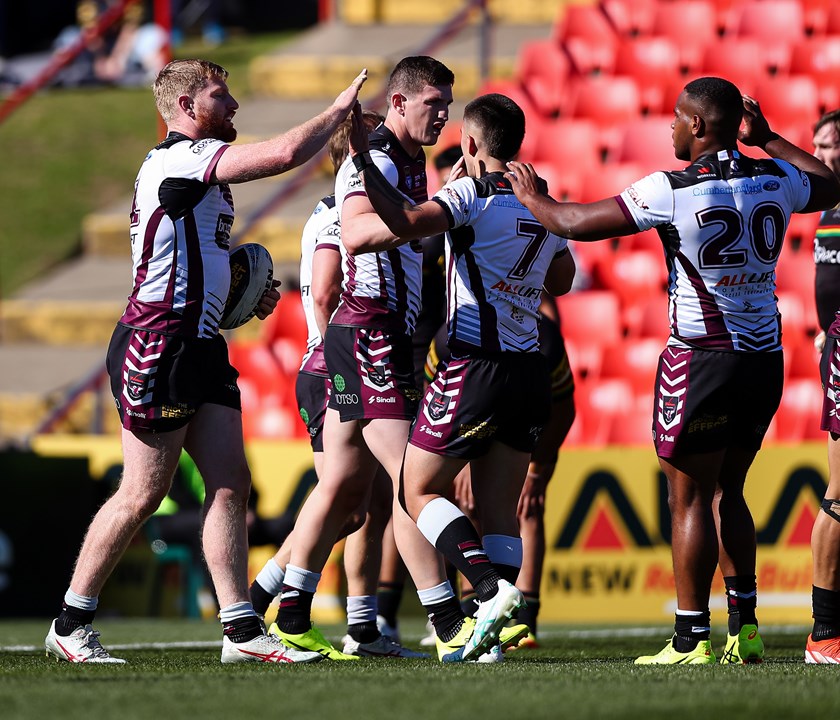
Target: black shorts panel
[[311, 393]]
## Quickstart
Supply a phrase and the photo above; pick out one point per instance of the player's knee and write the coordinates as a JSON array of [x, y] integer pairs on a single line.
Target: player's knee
[[831, 508]]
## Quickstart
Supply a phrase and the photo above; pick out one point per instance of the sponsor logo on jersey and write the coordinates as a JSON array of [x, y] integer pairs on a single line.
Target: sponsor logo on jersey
[[198, 147], [378, 400], [826, 256], [525, 291], [745, 189], [772, 185], [304, 415], [707, 422], [633, 194], [744, 279], [136, 384], [457, 199], [409, 179], [223, 227], [134, 413], [354, 182], [376, 373], [438, 405], [338, 382], [346, 398]]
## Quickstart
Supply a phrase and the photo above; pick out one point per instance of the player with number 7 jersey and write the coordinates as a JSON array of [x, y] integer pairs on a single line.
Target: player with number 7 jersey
[[488, 404]]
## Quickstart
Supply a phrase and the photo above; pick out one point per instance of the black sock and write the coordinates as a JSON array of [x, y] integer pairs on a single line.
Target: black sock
[[460, 544], [243, 629], [71, 618], [690, 630], [295, 613], [447, 617], [488, 586], [363, 632], [469, 604], [740, 601], [826, 606], [507, 572], [260, 598], [527, 615], [388, 599]]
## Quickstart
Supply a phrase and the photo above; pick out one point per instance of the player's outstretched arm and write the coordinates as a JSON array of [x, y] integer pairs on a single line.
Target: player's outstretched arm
[[577, 221], [404, 220], [756, 132], [241, 163]]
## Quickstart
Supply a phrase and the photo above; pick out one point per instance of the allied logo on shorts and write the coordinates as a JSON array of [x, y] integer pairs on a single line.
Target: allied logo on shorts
[[376, 373], [338, 382], [438, 405], [669, 408], [137, 384], [304, 415]]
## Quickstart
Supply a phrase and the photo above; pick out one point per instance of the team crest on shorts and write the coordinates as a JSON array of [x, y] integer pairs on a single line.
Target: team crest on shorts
[[670, 403], [438, 405], [137, 383], [376, 373]]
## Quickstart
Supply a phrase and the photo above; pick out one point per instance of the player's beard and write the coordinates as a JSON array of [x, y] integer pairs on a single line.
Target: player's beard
[[216, 127]]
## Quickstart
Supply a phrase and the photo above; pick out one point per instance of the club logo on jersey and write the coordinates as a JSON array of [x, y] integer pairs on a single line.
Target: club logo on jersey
[[136, 384], [376, 373], [223, 227], [670, 403], [409, 180], [438, 405]]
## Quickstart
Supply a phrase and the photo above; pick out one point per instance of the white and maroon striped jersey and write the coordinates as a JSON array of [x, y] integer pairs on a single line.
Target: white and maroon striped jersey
[[497, 257], [382, 289], [180, 239], [722, 222], [322, 233]]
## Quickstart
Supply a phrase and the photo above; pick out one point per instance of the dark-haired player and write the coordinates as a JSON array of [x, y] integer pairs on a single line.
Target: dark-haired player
[[489, 403], [722, 221], [823, 645]]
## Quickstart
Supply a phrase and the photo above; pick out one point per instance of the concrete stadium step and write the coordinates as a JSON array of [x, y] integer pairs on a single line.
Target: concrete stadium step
[[303, 70], [423, 11]]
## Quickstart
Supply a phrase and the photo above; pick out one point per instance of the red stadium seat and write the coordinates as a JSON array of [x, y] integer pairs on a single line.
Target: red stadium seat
[[632, 275], [792, 310], [287, 321], [633, 428], [585, 359], [542, 71], [597, 403], [691, 24], [564, 182], [819, 57], [591, 316], [647, 240], [588, 254], [654, 63], [798, 416], [800, 233], [803, 362], [255, 361], [815, 15], [630, 18], [771, 21], [569, 143], [609, 180], [647, 142], [610, 102], [832, 26], [791, 100], [634, 360], [584, 32], [737, 59], [651, 319]]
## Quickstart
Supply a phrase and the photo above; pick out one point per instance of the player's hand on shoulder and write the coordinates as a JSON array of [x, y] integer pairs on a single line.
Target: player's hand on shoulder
[[269, 300], [755, 130], [523, 179]]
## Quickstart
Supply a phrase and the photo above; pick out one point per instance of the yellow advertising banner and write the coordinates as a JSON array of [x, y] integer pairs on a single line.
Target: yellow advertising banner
[[607, 525], [608, 529]]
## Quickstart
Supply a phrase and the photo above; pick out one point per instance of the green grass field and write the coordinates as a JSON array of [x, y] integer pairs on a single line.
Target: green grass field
[[577, 673]]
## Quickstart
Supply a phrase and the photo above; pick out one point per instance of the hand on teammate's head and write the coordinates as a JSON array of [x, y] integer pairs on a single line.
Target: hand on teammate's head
[[755, 130], [358, 138], [348, 97]]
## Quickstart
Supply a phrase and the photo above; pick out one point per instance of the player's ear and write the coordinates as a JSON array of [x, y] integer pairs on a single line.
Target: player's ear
[[185, 102], [698, 126], [398, 103], [472, 147]]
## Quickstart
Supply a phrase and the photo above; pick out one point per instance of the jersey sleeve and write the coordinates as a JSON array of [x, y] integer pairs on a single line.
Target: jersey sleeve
[[349, 184], [329, 236], [649, 202], [194, 161], [800, 185], [458, 198]]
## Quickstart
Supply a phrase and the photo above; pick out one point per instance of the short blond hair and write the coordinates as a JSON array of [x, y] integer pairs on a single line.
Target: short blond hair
[[183, 77], [338, 144]]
